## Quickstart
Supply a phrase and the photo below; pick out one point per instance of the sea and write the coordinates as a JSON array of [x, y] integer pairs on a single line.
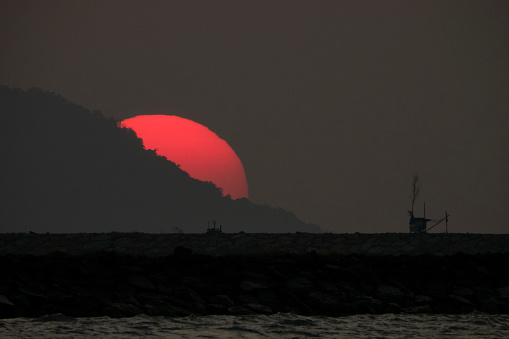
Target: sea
[[281, 325]]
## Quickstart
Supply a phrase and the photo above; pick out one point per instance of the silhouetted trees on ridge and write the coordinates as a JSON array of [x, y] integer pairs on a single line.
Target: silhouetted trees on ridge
[[67, 169]]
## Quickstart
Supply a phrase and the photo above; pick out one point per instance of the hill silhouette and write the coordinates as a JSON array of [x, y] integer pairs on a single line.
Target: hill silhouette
[[66, 169]]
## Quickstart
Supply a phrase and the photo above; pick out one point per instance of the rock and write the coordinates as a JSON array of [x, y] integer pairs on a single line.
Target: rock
[[91, 284], [50, 309], [276, 274], [191, 295], [216, 309], [299, 285], [5, 301], [133, 270], [124, 292], [157, 278], [119, 310], [300, 308], [328, 305], [33, 294], [436, 288], [422, 300], [269, 298], [194, 282], [222, 300], [495, 305], [182, 253], [250, 285], [328, 287], [240, 310], [141, 282], [462, 304], [260, 309], [5, 284], [463, 292], [424, 309], [21, 303], [390, 294], [482, 293], [7, 309], [503, 291], [392, 308], [85, 305], [367, 304], [162, 308], [100, 245], [490, 307], [377, 250], [60, 297], [58, 317], [245, 299], [144, 296]]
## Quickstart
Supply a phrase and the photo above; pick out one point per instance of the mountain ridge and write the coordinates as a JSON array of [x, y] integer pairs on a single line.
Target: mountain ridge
[[68, 169]]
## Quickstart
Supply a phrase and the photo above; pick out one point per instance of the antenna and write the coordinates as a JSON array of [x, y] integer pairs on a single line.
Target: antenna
[[446, 221]]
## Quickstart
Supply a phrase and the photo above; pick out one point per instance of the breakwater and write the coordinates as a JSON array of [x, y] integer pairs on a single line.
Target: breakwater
[[115, 285], [149, 244], [120, 275]]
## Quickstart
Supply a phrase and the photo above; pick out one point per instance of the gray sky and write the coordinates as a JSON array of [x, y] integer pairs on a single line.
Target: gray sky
[[330, 105]]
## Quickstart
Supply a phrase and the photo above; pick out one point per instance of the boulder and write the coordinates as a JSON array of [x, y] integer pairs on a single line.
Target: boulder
[[299, 285], [463, 291], [36, 295], [503, 291], [120, 310], [251, 285], [7, 309], [85, 305], [459, 303], [5, 301], [495, 305], [162, 308], [422, 300], [328, 287], [182, 253], [245, 299], [260, 309], [222, 300], [392, 308], [240, 310], [436, 288], [367, 304], [390, 294], [270, 298], [424, 309], [328, 305], [141, 282]]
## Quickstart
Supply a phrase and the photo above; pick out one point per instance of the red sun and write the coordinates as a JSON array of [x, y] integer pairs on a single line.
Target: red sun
[[198, 150]]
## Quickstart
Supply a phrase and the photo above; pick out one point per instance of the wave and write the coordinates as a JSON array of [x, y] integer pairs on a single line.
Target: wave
[[281, 325]]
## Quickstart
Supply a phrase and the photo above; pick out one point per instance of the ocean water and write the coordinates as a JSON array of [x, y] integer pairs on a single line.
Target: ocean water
[[287, 325]]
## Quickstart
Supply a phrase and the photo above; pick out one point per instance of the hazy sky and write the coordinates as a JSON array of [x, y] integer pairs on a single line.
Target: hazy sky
[[330, 105]]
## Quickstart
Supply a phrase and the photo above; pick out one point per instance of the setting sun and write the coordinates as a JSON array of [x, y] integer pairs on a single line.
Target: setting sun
[[198, 150]]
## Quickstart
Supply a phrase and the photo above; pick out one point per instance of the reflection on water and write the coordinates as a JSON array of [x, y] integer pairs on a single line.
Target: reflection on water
[[281, 325]]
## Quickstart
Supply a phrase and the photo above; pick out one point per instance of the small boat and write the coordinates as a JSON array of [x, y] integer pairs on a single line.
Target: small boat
[[213, 229]]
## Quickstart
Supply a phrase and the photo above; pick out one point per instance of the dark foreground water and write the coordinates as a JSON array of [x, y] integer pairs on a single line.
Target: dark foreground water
[[281, 325]]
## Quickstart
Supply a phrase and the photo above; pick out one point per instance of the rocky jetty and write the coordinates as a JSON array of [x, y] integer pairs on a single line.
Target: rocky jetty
[[150, 244], [125, 274], [184, 283]]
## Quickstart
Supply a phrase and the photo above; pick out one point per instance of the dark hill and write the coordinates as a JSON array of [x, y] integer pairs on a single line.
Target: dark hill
[[67, 169]]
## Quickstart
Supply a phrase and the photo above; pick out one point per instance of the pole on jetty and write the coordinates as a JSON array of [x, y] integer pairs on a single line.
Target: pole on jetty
[[446, 218]]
